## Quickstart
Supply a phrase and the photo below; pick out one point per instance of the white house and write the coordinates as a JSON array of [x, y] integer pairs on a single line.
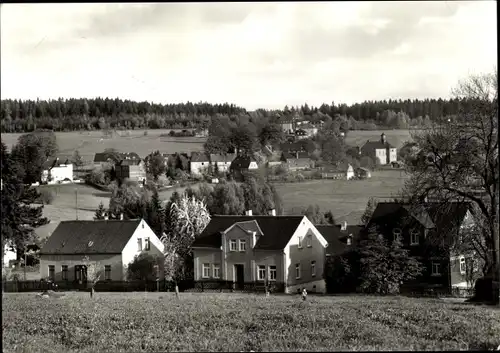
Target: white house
[[199, 163], [286, 250], [381, 150], [112, 243], [222, 161], [9, 254], [55, 171]]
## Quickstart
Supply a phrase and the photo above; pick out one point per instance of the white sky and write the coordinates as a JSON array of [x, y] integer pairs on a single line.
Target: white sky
[[252, 54]]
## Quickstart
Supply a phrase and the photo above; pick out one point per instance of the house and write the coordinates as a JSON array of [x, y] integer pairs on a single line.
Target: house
[[112, 243], [199, 163], [242, 164], [342, 171], [381, 150], [132, 169], [286, 124], [296, 161], [292, 147], [100, 159], [9, 255], [362, 173], [300, 134], [428, 231], [201, 133], [54, 171], [222, 162], [286, 250], [309, 129], [339, 236]]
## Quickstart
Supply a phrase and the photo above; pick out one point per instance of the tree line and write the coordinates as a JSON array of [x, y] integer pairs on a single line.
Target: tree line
[[101, 113]]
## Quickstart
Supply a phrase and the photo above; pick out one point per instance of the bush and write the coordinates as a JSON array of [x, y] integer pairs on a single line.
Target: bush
[[47, 196], [146, 133]]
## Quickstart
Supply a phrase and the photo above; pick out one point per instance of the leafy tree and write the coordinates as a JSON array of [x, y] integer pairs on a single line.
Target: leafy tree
[[77, 160], [143, 268], [243, 137], [155, 164], [129, 200], [100, 212], [370, 208]]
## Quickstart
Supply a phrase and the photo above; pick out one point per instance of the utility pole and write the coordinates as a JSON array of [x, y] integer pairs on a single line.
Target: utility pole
[[76, 203]]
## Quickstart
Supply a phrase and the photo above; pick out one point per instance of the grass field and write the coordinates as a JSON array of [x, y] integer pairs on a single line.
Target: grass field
[[198, 322], [88, 143], [346, 199]]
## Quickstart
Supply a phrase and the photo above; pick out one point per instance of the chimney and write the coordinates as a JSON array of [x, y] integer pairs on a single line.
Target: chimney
[[272, 212], [343, 226], [248, 212], [121, 216]]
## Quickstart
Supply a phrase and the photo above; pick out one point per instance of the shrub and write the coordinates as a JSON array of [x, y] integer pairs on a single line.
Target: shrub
[[47, 196], [146, 133]]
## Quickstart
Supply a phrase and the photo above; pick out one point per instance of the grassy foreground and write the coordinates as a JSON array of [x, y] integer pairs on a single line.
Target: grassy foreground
[[231, 322]]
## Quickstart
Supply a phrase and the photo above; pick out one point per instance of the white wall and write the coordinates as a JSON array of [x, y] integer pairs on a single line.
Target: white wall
[[61, 172], [253, 165], [197, 167], [8, 255], [393, 155]]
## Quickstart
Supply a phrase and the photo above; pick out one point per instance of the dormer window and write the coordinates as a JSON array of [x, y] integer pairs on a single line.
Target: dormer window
[[396, 232], [414, 237]]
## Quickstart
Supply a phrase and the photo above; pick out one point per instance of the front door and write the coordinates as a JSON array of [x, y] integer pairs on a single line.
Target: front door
[[239, 276], [81, 276]]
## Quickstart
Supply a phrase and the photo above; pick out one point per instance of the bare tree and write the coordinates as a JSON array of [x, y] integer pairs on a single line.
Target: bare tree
[[458, 161], [94, 272]]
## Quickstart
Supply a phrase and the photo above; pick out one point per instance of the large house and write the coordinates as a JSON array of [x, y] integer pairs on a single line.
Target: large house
[[222, 162], [296, 161], [241, 165], [132, 169], [428, 232], [286, 250], [381, 150], [286, 124], [55, 171], [199, 163], [309, 129], [112, 243]]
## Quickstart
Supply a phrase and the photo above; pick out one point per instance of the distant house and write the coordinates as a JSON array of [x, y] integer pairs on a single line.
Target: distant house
[[199, 163], [222, 161], [309, 129], [9, 255], [381, 150], [286, 124], [296, 161], [201, 133], [429, 232], [339, 236], [287, 251], [342, 171], [242, 164], [54, 171], [300, 134], [100, 159], [132, 169], [362, 173], [114, 244], [293, 147]]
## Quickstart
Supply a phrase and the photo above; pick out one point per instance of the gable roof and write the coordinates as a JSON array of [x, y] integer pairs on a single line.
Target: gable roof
[[74, 237], [295, 156], [54, 162], [241, 162], [229, 157], [277, 230], [371, 146], [199, 157], [291, 147], [336, 237]]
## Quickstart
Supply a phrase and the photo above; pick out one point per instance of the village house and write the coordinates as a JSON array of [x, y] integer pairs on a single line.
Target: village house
[[199, 163], [309, 129], [287, 251], [291, 147], [339, 236], [429, 232], [222, 162], [55, 171], [132, 169], [287, 125], [9, 255], [300, 134], [342, 171], [114, 244], [381, 150], [296, 161], [241, 165]]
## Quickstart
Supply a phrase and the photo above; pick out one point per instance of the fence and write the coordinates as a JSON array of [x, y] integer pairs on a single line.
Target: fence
[[230, 286]]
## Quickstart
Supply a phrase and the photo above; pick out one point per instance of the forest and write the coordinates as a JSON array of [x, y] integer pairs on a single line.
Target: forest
[[102, 113]]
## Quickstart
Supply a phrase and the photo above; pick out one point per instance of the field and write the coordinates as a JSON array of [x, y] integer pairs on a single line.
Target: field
[[346, 199], [89, 142], [199, 322]]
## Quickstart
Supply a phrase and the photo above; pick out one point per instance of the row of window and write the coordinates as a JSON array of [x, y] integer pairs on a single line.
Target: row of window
[[78, 274], [298, 270], [147, 244], [213, 271], [414, 236], [308, 241], [233, 245]]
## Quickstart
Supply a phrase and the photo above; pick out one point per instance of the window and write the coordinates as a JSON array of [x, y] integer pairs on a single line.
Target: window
[[206, 271], [300, 243], [313, 268], [261, 273], [436, 268], [272, 273], [309, 241], [414, 237], [107, 273], [216, 271], [349, 239], [463, 266], [232, 245], [397, 234], [139, 244], [297, 271], [64, 272], [52, 272], [147, 244], [243, 245]]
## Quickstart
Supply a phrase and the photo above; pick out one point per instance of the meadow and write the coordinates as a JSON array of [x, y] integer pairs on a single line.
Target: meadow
[[200, 322]]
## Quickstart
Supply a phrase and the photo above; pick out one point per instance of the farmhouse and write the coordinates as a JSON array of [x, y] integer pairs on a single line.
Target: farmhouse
[[429, 233], [381, 150], [132, 169], [241, 165], [285, 250], [199, 163], [113, 243], [296, 161], [222, 162], [342, 171], [55, 171]]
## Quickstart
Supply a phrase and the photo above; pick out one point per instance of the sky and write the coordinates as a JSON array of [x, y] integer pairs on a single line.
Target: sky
[[255, 55]]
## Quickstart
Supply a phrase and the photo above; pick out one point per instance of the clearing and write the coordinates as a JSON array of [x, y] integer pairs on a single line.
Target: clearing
[[157, 322]]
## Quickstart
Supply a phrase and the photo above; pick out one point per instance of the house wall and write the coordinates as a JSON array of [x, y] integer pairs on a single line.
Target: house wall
[[350, 173], [303, 256], [198, 167], [131, 250], [231, 258], [59, 173], [114, 260], [381, 155], [393, 155], [207, 256], [222, 166], [457, 278], [253, 165], [286, 126], [8, 255]]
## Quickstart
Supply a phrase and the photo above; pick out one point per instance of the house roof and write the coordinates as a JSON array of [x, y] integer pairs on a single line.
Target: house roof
[[301, 155], [222, 157], [336, 237], [340, 168], [241, 162], [291, 147], [371, 146], [277, 230], [54, 162], [125, 162], [199, 157], [105, 237]]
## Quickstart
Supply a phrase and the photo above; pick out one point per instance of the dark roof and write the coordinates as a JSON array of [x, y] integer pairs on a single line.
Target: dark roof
[[330, 168], [291, 147], [125, 162], [229, 157], [336, 237], [241, 162], [277, 230], [301, 155], [371, 146], [74, 237], [102, 157], [54, 162], [199, 157]]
